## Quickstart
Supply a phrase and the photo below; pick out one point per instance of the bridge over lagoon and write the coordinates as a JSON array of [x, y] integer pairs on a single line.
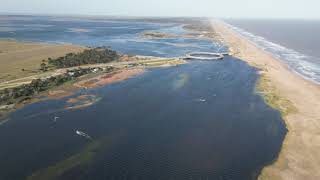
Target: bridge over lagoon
[[205, 56]]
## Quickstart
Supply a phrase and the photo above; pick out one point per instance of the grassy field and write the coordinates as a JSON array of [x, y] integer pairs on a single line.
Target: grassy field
[[15, 56]]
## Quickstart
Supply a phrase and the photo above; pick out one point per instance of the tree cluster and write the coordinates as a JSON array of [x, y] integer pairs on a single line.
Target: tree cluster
[[89, 56]]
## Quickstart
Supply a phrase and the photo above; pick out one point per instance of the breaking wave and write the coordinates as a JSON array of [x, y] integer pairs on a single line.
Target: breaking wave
[[306, 66]]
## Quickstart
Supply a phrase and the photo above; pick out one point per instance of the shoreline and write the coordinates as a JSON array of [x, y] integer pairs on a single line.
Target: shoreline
[[20, 91], [283, 62], [299, 157]]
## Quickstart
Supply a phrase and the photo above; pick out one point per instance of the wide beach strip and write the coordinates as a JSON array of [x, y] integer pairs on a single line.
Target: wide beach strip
[[300, 155]]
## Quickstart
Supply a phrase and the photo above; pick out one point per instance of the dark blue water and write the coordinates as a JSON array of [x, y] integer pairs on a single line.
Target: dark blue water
[[202, 120], [166, 131]]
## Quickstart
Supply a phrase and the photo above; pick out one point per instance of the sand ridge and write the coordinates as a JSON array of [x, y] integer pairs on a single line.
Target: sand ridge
[[300, 156]]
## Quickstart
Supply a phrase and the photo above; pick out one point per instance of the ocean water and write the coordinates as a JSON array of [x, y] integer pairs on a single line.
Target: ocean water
[[295, 42], [201, 120]]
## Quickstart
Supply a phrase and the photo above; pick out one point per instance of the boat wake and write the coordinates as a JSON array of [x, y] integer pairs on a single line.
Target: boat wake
[[83, 134], [200, 100], [306, 66]]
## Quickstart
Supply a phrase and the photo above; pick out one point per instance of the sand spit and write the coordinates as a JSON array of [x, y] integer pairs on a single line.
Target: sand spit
[[82, 101], [300, 155], [192, 35]]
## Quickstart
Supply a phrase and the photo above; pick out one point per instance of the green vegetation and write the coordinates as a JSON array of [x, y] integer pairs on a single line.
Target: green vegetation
[[53, 172], [24, 92], [88, 56], [272, 98]]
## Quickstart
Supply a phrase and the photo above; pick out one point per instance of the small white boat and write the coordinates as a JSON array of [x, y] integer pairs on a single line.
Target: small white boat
[[83, 134], [201, 100], [55, 118]]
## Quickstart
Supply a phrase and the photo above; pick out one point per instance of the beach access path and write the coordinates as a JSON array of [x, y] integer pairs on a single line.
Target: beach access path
[[300, 154]]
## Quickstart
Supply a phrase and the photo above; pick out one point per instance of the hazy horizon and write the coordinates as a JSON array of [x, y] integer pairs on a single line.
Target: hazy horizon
[[163, 16], [245, 9]]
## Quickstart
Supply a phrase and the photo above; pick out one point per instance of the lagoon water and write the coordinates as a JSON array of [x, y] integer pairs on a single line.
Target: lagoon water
[[201, 120], [123, 35]]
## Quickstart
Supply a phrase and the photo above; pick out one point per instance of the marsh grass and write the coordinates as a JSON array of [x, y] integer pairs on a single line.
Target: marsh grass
[[53, 172], [82, 158], [272, 97]]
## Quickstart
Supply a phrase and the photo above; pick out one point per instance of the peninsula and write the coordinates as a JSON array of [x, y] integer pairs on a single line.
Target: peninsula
[[48, 67]]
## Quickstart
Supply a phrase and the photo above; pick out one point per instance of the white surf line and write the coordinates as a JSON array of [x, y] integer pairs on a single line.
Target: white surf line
[[296, 61]]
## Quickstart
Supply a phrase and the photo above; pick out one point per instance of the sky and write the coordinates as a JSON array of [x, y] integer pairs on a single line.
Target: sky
[[302, 9]]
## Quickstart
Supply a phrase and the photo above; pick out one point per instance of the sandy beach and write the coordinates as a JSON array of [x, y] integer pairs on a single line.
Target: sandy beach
[[300, 155]]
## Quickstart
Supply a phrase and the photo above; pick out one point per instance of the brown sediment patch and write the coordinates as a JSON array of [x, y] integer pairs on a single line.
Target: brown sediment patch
[[82, 101], [72, 100], [79, 98], [297, 98], [109, 78]]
